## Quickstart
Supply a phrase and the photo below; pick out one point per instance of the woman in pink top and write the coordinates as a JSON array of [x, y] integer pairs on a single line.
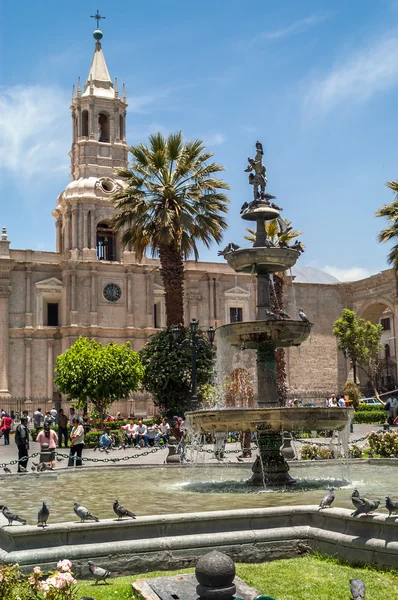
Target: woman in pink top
[[48, 436]]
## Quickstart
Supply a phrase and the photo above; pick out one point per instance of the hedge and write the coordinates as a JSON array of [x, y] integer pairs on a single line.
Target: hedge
[[370, 416]]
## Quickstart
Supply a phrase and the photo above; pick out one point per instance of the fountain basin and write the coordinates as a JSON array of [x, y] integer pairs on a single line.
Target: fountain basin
[[262, 211], [250, 334], [269, 419], [271, 260]]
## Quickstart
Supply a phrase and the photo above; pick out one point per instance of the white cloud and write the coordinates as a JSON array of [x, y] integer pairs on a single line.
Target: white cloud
[[35, 130], [348, 274], [213, 139], [299, 26], [357, 78]]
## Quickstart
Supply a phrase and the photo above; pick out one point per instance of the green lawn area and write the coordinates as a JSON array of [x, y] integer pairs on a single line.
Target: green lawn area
[[306, 578]]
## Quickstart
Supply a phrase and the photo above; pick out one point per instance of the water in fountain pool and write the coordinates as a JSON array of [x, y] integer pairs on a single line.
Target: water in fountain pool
[[153, 491]]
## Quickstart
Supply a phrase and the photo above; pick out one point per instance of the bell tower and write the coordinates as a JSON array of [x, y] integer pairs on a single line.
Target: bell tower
[[84, 211]]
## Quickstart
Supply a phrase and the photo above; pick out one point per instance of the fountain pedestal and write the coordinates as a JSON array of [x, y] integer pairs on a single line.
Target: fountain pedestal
[[270, 467]]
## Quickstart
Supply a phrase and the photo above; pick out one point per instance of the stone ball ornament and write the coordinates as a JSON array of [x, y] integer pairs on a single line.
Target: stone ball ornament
[[98, 35], [215, 573], [112, 292]]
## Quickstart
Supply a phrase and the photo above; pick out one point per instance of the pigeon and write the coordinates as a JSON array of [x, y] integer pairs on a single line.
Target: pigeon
[[275, 206], [391, 506], [121, 512], [303, 316], [327, 500], [6, 470], [298, 246], [95, 448], [283, 244], [35, 464], [357, 589], [280, 233], [243, 207], [231, 247], [269, 313], [83, 513], [33, 469], [10, 516], [367, 506], [284, 314], [42, 467], [59, 459], [42, 516], [98, 572]]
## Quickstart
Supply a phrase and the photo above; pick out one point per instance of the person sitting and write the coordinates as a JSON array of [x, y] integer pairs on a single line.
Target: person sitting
[[141, 436], [107, 440], [152, 431], [129, 432], [164, 429], [48, 436]]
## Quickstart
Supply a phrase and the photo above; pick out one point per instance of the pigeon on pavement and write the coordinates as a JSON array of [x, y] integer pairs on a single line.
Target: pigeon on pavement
[[357, 589], [33, 469], [327, 500], [83, 513], [391, 506], [10, 516], [42, 516], [98, 572], [303, 316], [121, 512], [6, 470]]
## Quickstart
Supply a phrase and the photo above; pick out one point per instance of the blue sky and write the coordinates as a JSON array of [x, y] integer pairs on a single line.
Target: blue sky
[[315, 81]]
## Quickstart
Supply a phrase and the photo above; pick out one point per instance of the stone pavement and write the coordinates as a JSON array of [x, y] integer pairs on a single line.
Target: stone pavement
[[9, 453]]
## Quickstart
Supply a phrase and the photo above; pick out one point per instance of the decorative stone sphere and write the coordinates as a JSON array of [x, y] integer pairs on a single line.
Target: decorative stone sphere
[[215, 570], [97, 35]]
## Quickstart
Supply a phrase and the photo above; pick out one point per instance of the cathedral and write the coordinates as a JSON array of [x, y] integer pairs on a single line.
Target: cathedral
[[92, 286]]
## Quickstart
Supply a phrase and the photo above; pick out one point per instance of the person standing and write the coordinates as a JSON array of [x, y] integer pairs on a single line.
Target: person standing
[[37, 418], [393, 408], [76, 443], [48, 436], [22, 442], [53, 413], [62, 422], [5, 426], [28, 419]]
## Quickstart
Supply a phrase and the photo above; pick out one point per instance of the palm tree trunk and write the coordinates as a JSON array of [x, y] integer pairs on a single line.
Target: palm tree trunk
[[172, 273], [277, 303]]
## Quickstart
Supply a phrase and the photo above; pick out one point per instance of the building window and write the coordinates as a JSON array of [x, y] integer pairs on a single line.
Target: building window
[[106, 242], [385, 323], [52, 314], [85, 123], [235, 314], [121, 127], [156, 316], [103, 128]]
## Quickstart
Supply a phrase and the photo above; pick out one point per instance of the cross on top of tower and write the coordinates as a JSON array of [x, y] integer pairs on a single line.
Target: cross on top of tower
[[98, 17]]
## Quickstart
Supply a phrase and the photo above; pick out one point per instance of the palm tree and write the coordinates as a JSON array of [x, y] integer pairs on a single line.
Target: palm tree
[[272, 228], [172, 199], [390, 211]]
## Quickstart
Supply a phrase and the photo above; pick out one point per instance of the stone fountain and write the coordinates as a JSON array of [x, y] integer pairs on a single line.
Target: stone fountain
[[272, 329]]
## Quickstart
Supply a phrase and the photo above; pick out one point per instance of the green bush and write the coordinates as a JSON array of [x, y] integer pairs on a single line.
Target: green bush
[[92, 438], [384, 444], [313, 451], [370, 416], [352, 391], [369, 407]]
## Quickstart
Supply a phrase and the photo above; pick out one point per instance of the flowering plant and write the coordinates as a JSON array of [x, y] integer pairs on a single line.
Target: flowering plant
[[59, 584], [313, 452], [384, 444]]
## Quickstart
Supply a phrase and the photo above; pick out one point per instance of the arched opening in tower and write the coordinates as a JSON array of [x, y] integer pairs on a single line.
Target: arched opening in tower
[[106, 242], [121, 127], [85, 123], [103, 128]]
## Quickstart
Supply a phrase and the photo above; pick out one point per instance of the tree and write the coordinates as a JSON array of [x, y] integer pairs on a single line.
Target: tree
[[272, 228], [171, 200], [359, 340], [168, 370], [390, 212], [89, 371], [351, 390]]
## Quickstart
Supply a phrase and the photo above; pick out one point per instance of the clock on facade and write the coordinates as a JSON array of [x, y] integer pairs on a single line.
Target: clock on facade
[[112, 292]]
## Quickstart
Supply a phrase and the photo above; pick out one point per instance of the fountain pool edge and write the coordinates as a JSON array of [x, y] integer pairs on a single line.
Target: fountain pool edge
[[176, 541]]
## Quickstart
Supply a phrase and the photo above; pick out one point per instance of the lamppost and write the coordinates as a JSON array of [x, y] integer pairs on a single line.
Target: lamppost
[[195, 342]]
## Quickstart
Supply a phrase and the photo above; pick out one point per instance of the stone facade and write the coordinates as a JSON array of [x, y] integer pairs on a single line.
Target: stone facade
[[91, 286]]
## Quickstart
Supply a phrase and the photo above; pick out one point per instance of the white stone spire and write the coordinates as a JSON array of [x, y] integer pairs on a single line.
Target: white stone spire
[[98, 77]]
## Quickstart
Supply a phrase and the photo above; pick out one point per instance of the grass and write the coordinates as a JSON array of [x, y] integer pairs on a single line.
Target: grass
[[303, 578]]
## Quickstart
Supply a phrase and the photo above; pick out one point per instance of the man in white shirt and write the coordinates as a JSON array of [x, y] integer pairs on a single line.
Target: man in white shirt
[[164, 428], [141, 435]]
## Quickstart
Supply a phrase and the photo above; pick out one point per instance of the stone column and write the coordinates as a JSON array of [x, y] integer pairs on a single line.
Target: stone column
[[28, 367], [50, 368], [80, 227], [67, 231], [74, 227], [211, 300], [73, 299], [85, 229], [4, 339], [28, 298], [59, 235], [93, 300], [93, 232], [149, 279]]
